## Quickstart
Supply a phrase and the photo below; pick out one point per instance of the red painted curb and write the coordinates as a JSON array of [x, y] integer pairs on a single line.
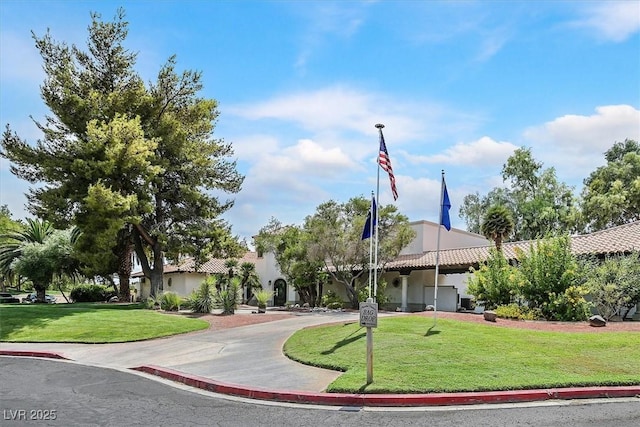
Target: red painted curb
[[27, 353], [432, 399]]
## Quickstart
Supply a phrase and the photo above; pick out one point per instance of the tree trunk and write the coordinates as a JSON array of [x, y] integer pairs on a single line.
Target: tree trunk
[[319, 297], [41, 292], [124, 272], [155, 273], [352, 295]]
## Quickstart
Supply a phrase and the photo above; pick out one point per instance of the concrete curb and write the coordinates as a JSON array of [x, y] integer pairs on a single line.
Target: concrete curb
[[377, 400], [389, 400], [26, 353]]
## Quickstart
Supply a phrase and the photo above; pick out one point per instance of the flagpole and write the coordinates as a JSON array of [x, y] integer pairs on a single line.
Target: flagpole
[[435, 291], [379, 126], [370, 219]]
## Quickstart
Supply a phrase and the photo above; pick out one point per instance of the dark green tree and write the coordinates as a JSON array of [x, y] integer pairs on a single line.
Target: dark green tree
[[474, 207], [611, 194], [126, 161], [540, 205], [335, 232], [290, 248]]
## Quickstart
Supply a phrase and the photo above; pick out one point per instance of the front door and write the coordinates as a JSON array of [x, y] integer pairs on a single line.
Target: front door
[[279, 293]]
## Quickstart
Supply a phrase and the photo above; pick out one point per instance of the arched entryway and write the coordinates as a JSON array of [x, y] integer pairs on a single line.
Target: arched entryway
[[279, 292]]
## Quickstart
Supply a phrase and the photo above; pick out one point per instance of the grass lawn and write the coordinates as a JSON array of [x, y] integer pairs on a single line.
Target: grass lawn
[[461, 356], [89, 323]]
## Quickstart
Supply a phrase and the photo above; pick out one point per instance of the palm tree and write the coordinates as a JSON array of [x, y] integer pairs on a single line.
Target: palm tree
[[36, 231], [39, 252], [231, 265], [497, 224], [249, 279]]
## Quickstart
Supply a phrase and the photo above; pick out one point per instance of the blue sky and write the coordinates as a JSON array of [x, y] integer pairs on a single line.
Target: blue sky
[[459, 86]]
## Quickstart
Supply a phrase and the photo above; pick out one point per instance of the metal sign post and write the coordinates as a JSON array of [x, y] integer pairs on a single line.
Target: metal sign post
[[369, 319]]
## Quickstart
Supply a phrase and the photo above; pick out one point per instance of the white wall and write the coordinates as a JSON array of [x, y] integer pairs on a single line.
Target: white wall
[[183, 284], [427, 238], [420, 289], [447, 297]]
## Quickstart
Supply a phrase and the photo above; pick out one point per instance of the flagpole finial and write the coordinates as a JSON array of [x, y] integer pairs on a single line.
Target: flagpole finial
[[379, 125]]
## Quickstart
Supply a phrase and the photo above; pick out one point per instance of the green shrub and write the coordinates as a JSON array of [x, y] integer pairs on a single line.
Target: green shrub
[[381, 294], [569, 306], [548, 270], [495, 282], [229, 297], [331, 299], [91, 293], [515, 311], [203, 299], [151, 304], [614, 285], [262, 297], [170, 301]]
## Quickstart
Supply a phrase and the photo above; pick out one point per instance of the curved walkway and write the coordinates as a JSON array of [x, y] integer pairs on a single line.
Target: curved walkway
[[248, 361]]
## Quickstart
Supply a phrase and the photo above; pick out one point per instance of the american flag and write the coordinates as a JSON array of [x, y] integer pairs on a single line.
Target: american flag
[[385, 164]]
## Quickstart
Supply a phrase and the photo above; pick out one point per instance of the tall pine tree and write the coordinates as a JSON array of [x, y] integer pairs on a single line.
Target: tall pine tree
[[131, 165]]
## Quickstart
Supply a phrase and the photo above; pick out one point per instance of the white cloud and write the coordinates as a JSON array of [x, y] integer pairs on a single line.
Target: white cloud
[[584, 139], [295, 174], [307, 158], [612, 20], [420, 199], [253, 147], [340, 108], [481, 153], [326, 21], [328, 108]]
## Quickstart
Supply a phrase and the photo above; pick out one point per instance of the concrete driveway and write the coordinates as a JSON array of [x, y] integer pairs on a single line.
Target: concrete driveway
[[247, 356]]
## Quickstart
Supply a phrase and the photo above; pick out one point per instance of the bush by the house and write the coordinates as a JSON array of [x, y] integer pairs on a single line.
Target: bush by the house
[[495, 282], [381, 296], [203, 300], [548, 271], [515, 311], [262, 297], [547, 282], [151, 304], [614, 285], [331, 300], [569, 306], [91, 293], [170, 301], [229, 297]]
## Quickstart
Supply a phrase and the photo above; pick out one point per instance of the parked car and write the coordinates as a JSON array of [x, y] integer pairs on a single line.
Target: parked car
[[50, 299], [7, 298]]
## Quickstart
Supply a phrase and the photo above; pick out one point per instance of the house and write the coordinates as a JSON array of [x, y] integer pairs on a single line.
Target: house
[[417, 270], [411, 276], [183, 278]]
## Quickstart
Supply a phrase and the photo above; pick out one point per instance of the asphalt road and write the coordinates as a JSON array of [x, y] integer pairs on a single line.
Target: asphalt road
[[58, 393]]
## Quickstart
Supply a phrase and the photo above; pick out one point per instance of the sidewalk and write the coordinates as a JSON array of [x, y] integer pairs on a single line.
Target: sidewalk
[[248, 361]]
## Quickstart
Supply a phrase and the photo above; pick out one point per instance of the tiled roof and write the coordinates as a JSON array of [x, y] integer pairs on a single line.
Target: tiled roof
[[214, 265], [620, 239]]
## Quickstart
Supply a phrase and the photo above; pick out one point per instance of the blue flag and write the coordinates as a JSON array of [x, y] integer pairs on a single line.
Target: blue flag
[[369, 225], [446, 205]]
